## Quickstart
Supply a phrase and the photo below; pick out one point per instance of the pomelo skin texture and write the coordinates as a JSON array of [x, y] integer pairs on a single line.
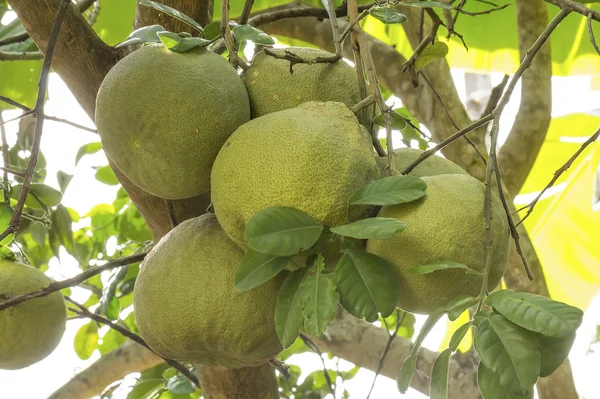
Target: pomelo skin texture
[[314, 157], [163, 116], [31, 330], [187, 307], [272, 87], [446, 225], [433, 165]]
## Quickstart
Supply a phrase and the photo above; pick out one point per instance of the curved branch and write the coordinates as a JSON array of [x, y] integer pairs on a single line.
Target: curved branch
[[518, 154]]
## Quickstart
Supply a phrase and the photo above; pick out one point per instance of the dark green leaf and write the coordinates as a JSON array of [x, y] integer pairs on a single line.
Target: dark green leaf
[[391, 191], [89, 148], [439, 376], [408, 367], [491, 387], [458, 305], [180, 384], [431, 53], [387, 15], [247, 32], [509, 351], [145, 34], [398, 120], [173, 13], [40, 195], [427, 4], [63, 180], [536, 313], [86, 340], [212, 30], [458, 336], [282, 231], [366, 284], [178, 44], [257, 268], [443, 265], [554, 351], [371, 228], [320, 300], [106, 175], [288, 312]]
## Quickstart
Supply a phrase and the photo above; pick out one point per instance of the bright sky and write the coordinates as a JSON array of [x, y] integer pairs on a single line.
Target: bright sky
[[60, 144]]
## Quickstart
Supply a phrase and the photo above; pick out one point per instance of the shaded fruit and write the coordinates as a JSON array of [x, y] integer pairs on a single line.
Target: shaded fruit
[[273, 87], [446, 225], [163, 116], [314, 157], [188, 309], [433, 165], [31, 330]]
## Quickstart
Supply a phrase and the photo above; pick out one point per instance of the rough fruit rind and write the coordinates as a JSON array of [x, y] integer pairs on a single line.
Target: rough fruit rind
[[314, 158], [31, 330], [447, 224], [163, 116], [272, 87], [186, 305]]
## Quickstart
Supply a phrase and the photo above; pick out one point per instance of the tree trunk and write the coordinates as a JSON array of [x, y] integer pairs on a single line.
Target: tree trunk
[[244, 383]]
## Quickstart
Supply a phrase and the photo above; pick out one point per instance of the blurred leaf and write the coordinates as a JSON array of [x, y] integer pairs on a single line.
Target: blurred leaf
[[145, 389], [320, 301], [444, 265], [372, 228], [282, 231], [439, 376], [106, 175], [242, 33], [398, 120], [390, 191], [288, 312], [38, 194], [257, 268], [459, 304], [180, 384], [61, 232], [173, 13], [86, 149], [145, 34], [427, 4], [387, 15], [179, 44], [431, 53], [86, 340], [111, 341], [63, 180]]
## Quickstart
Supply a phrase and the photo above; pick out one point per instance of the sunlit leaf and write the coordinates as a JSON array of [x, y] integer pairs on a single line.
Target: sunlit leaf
[[247, 32], [179, 44], [86, 340], [89, 148], [388, 15], [107, 176], [145, 34], [431, 53], [390, 191]]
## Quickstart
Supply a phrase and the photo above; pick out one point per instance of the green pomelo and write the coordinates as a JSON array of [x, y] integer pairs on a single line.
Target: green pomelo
[[163, 116], [187, 307], [433, 165], [273, 87], [31, 330], [446, 225], [314, 157]]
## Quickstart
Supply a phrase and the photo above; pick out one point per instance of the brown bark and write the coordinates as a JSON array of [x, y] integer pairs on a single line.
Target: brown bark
[[244, 383], [197, 9]]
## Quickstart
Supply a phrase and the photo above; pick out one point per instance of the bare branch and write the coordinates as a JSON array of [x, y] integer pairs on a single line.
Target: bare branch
[[496, 95], [283, 368], [232, 48], [591, 33], [20, 56], [73, 281], [315, 348], [246, 12], [574, 6]]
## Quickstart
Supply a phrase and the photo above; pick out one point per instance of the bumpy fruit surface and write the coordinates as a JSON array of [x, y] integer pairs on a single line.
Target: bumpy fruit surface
[[446, 225], [314, 157], [431, 166], [188, 309], [31, 330], [163, 116], [272, 87]]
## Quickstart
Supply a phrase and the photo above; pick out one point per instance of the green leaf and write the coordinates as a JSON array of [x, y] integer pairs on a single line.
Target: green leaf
[[63, 179], [288, 312], [257, 268], [388, 15], [427, 4], [458, 336], [367, 285], [282, 231], [169, 373], [106, 175], [112, 308], [390, 191], [145, 34], [554, 351], [458, 305], [111, 341], [431, 53], [443, 265], [179, 44], [180, 384], [61, 232], [320, 302], [536, 313], [408, 367], [439, 376], [509, 351], [242, 33], [86, 340], [398, 120], [39, 196], [86, 149], [145, 389], [173, 13], [372, 228], [491, 387], [213, 30]]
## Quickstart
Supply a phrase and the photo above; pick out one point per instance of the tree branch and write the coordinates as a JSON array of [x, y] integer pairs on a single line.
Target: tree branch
[[20, 56], [574, 6]]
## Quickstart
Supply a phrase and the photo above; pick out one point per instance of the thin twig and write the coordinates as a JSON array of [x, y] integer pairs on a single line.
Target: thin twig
[[9, 170], [283, 368], [495, 95], [5, 154], [15, 221], [16, 118], [316, 349], [73, 281], [14, 103], [488, 11], [68, 122], [574, 6], [21, 56], [362, 104], [330, 7], [351, 24], [427, 40], [557, 175], [83, 311], [591, 33], [277, 15], [232, 48], [246, 12], [492, 162], [296, 59]]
